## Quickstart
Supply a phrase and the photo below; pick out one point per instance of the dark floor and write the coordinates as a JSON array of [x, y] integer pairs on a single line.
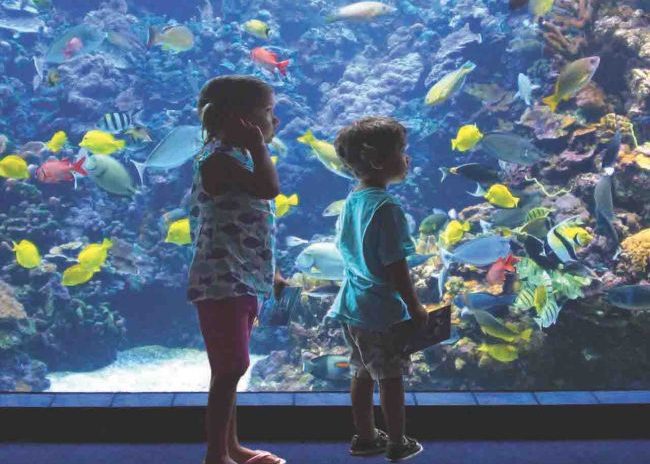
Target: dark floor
[[443, 452]]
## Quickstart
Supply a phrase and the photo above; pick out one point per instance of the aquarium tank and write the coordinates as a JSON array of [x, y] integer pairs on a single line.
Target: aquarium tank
[[528, 196]]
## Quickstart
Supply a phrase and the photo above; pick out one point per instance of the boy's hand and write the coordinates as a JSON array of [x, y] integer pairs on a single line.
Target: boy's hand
[[419, 315], [279, 283]]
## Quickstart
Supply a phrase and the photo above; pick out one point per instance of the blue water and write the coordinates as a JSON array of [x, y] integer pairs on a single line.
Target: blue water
[[339, 72]]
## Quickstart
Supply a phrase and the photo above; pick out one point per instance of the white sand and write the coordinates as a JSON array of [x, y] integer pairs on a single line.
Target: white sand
[[146, 369]]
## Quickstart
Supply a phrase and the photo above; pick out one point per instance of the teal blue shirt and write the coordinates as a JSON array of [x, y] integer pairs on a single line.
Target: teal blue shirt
[[372, 233]]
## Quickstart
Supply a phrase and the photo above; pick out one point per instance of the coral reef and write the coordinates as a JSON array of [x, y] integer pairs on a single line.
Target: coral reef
[[637, 249]]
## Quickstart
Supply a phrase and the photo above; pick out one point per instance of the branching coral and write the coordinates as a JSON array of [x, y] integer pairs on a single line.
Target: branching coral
[[560, 30], [637, 247]]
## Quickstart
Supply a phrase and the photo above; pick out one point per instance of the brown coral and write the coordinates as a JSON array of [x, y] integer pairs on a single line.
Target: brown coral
[[10, 308], [637, 248], [565, 33]]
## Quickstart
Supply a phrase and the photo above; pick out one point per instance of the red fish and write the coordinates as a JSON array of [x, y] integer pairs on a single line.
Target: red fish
[[269, 60], [497, 273], [73, 47], [54, 170]]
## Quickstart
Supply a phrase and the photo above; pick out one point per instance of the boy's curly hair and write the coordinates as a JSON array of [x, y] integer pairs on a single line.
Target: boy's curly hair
[[364, 144], [225, 94]]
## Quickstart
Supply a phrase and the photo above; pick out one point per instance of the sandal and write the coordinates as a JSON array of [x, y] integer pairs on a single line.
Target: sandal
[[260, 458]]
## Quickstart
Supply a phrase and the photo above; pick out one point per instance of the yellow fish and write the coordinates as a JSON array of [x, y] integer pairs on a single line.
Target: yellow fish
[[498, 195], [179, 232], [94, 255], [14, 167], [500, 351], [257, 28], [454, 232], [57, 142], [27, 254], [448, 85], [467, 138], [540, 297], [576, 234], [284, 203], [101, 143], [326, 154], [540, 7], [76, 275]]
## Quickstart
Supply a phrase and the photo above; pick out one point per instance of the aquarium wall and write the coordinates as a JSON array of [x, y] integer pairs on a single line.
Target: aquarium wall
[[528, 195]]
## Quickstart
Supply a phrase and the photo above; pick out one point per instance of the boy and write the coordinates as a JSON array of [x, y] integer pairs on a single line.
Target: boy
[[377, 291]]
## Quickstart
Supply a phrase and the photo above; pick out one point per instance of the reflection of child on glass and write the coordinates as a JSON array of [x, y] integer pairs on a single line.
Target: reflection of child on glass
[[377, 291], [233, 227]]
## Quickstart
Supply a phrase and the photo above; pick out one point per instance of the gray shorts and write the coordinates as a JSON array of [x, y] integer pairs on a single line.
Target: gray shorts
[[375, 354]]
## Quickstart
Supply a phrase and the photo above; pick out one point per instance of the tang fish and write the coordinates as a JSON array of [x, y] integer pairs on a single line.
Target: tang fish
[[110, 175], [57, 142], [179, 146], [454, 232], [76, 275], [321, 260], [179, 232], [171, 38], [480, 252], [14, 167], [93, 256], [511, 148], [484, 301], [449, 84], [525, 88], [27, 254], [360, 11], [257, 28], [539, 8], [498, 195], [293, 241], [328, 367], [467, 138], [611, 152], [326, 154], [101, 143], [473, 171], [630, 297], [269, 60], [572, 79], [284, 203]]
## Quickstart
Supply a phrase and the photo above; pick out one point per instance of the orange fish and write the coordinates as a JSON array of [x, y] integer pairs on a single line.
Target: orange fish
[[269, 60], [497, 273]]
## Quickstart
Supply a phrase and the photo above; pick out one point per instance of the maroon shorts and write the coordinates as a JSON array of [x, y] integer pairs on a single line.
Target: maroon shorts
[[226, 326]]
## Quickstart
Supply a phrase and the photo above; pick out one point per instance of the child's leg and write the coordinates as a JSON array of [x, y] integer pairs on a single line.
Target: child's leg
[[226, 332], [363, 415], [391, 392]]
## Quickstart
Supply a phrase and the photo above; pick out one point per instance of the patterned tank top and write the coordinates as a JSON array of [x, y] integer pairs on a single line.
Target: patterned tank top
[[233, 236]]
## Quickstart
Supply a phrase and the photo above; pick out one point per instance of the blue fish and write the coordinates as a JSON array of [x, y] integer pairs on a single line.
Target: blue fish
[[630, 297], [494, 304], [481, 251]]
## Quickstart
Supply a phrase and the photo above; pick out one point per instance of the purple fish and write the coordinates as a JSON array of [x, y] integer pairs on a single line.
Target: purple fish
[[251, 242]]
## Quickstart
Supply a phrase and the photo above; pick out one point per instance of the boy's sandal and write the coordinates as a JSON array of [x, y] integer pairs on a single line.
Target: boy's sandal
[[264, 457], [360, 447]]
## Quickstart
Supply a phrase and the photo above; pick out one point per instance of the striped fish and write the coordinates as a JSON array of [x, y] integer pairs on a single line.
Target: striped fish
[[538, 213], [549, 313], [526, 298], [116, 122]]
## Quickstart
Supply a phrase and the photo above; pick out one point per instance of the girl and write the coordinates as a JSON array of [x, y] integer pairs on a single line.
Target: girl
[[233, 229]]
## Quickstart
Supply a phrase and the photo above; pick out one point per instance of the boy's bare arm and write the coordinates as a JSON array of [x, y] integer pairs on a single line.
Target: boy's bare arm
[[400, 278]]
